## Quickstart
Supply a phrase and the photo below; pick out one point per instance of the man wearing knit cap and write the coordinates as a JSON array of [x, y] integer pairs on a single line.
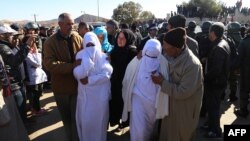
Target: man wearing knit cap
[[180, 21], [216, 76], [184, 87]]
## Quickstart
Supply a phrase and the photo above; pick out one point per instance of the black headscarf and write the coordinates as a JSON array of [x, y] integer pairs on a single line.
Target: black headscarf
[[130, 38], [121, 56]]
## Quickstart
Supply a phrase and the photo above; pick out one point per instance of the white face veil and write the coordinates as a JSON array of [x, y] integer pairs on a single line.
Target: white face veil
[[151, 56], [150, 64], [92, 45], [94, 61], [92, 49], [90, 55]]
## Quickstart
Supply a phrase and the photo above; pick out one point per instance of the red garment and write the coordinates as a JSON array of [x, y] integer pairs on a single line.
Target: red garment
[[6, 91]]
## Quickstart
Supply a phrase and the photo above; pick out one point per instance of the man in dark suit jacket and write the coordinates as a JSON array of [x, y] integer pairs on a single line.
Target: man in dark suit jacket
[[152, 32]]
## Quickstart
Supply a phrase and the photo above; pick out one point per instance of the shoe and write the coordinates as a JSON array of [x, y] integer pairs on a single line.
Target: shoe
[[123, 125], [212, 135], [39, 113], [241, 113]]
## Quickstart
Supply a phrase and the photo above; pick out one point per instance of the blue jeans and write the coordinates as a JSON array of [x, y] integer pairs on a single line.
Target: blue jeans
[[20, 103]]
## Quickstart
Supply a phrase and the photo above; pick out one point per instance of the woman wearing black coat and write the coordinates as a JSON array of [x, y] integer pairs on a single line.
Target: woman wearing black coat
[[124, 51]]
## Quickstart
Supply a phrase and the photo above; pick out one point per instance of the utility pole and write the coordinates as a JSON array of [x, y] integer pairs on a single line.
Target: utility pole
[[35, 17], [98, 9]]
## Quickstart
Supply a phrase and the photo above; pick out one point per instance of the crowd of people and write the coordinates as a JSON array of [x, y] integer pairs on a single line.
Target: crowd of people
[[159, 85], [191, 10]]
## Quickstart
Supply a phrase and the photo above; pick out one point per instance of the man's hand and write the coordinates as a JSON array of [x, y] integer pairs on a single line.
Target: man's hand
[[77, 63], [84, 81], [157, 79], [31, 40]]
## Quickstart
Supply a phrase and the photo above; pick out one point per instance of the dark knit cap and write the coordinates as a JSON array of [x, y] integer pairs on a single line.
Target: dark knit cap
[[176, 37], [177, 21]]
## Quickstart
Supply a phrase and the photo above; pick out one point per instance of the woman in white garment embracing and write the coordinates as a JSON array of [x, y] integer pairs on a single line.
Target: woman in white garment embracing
[[142, 98], [92, 109]]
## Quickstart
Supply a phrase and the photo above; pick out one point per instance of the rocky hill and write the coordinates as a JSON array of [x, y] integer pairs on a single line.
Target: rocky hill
[[53, 22], [89, 18]]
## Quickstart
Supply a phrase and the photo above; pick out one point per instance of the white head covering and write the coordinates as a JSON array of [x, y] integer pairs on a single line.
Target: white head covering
[[5, 28], [89, 55], [93, 53], [93, 59], [150, 63]]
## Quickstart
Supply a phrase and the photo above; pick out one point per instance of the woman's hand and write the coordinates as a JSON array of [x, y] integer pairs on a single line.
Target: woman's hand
[[77, 63]]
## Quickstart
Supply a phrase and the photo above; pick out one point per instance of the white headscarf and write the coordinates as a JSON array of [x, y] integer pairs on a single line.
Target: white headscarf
[[150, 63]]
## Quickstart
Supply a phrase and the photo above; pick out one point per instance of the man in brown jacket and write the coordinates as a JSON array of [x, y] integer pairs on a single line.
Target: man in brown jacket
[[59, 59]]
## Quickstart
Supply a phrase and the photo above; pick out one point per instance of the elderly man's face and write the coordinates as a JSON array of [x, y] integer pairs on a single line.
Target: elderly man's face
[[170, 50], [66, 26]]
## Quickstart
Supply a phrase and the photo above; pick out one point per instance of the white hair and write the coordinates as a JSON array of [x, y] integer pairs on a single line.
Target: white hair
[[62, 17]]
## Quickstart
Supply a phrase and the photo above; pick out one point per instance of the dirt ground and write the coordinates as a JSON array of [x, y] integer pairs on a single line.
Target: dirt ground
[[49, 127]]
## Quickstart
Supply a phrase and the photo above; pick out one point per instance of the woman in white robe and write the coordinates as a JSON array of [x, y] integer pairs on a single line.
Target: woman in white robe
[[138, 86], [92, 110]]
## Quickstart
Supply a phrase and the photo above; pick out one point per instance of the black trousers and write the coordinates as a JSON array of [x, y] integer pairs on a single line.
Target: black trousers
[[244, 87], [213, 100], [35, 91]]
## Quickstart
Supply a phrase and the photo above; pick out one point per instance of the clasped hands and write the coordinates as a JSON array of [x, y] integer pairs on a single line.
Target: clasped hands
[[157, 79]]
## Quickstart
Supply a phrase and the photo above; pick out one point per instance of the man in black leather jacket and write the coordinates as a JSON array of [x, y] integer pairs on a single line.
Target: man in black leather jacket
[[216, 76], [244, 65]]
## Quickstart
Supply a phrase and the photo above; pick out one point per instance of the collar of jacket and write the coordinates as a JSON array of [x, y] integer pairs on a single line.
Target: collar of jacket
[[60, 37], [215, 42], [5, 43], [179, 59]]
